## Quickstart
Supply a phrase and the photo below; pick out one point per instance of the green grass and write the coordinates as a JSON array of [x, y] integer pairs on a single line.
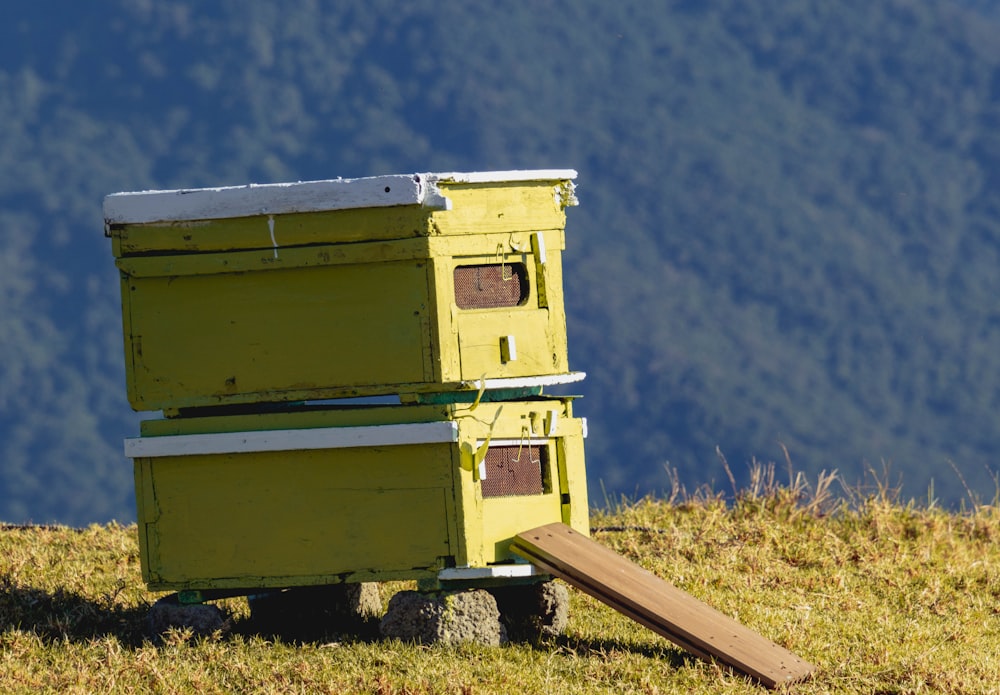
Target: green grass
[[881, 596]]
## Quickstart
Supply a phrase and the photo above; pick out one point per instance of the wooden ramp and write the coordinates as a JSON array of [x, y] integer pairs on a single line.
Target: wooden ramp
[[660, 606]]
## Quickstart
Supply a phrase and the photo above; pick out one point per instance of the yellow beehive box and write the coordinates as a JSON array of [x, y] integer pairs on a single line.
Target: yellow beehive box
[[323, 495], [326, 289]]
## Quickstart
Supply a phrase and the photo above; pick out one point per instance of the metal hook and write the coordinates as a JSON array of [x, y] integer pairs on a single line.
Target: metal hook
[[506, 272], [525, 435]]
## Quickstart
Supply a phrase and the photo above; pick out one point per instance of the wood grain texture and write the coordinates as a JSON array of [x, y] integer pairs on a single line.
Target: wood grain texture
[[657, 604]]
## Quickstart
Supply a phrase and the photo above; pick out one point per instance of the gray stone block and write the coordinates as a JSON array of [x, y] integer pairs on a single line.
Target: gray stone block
[[533, 612], [450, 618]]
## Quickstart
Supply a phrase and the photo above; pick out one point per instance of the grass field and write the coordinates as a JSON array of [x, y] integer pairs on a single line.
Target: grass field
[[882, 596]]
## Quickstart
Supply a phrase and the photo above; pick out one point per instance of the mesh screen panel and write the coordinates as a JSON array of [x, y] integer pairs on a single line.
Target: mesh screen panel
[[515, 470], [491, 286]]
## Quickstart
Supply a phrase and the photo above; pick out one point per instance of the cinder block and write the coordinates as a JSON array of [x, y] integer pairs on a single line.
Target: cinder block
[[450, 618]]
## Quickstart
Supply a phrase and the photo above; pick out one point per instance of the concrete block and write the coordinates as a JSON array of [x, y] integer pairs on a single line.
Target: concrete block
[[451, 618], [533, 612]]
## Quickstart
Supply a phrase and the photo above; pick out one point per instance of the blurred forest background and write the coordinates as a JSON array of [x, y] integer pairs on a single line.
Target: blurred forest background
[[788, 237]]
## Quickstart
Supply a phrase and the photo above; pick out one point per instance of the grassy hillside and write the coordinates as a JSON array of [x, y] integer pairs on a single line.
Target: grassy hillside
[[882, 597], [788, 233]]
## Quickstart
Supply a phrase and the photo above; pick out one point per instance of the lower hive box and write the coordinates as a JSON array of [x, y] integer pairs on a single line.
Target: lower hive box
[[331, 494]]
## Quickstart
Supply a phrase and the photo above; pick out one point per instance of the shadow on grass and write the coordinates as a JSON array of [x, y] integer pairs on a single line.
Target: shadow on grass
[[64, 615], [309, 632], [662, 651], [60, 615], [56, 616]]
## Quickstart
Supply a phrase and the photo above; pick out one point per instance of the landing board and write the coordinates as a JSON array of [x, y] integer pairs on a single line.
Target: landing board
[[660, 606]]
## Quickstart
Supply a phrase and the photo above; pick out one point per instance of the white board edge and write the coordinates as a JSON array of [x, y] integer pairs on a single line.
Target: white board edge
[[508, 176], [527, 381], [188, 204], [291, 440], [514, 571]]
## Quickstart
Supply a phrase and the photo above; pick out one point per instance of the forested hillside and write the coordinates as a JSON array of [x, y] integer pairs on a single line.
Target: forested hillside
[[788, 235]]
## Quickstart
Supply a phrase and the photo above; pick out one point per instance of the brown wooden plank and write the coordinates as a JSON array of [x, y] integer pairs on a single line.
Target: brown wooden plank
[[644, 597]]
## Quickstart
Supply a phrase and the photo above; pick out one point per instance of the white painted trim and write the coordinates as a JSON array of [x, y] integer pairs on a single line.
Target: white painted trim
[[265, 199], [552, 423], [508, 348], [291, 440], [142, 207], [505, 176], [539, 247], [457, 574], [527, 381], [527, 441]]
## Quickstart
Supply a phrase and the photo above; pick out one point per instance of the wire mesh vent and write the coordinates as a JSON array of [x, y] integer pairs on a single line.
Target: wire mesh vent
[[491, 286], [515, 470]]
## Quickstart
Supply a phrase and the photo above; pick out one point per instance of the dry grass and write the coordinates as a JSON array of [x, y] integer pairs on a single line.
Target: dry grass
[[883, 596]]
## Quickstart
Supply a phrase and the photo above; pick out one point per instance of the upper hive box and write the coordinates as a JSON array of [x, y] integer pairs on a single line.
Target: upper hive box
[[408, 284]]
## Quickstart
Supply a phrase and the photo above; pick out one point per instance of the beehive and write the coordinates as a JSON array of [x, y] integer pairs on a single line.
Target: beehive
[[321, 495], [305, 291]]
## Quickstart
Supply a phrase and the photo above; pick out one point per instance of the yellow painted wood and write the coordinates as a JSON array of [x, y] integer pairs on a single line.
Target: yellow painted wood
[[470, 544], [480, 334], [147, 513], [573, 475], [505, 517], [310, 306], [488, 523], [499, 207], [472, 346], [294, 229], [513, 244], [476, 209], [249, 516], [310, 324], [549, 280], [291, 518], [223, 265], [277, 335], [304, 417]]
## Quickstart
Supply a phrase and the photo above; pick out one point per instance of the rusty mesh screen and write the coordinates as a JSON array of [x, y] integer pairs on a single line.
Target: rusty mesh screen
[[515, 470], [491, 285]]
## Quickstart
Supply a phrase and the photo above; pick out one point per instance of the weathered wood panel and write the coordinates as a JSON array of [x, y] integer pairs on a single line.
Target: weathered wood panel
[[657, 604]]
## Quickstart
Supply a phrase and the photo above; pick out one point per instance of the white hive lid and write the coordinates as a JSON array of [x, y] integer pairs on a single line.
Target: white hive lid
[[305, 196]]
